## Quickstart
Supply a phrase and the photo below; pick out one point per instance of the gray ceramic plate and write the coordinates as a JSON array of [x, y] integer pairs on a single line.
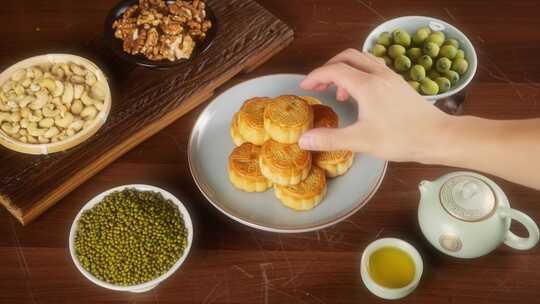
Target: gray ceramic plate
[[211, 143]]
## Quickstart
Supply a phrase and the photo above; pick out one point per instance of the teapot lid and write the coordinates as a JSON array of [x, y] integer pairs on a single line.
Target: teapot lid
[[468, 198]]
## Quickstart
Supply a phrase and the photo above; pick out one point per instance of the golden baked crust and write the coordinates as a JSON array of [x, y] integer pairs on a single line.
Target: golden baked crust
[[235, 133], [284, 164], [324, 117], [251, 120], [311, 100], [244, 171], [305, 195], [334, 163], [287, 118]]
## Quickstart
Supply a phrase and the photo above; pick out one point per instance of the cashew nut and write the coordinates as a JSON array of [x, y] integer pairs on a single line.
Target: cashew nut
[[89, 113], [24, 123], [77, 79], [19, 89], [4, 107], [76, 125], [46, 123], [67, 97], [6, 87], [48, 84], [18, 75], [4, 117], [13, 105], [98, 91], [34, 118], [48, 112], [10, 128], [78, 90], [34, 130], [26, 83], [77, 70], [70, 132], [76, 107], [37, 73], [29, 73], [15, 117], [23, 132], [87, 100], [35, 87], [100, 106], [51, 132], [41, 100], [23, 139], [90, 78], [31, 139], [57, 71], [43, 140], [66, 69], [26, 100], [64, 122]]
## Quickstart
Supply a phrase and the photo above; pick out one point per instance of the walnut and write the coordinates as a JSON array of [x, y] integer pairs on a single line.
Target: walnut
[[159, 31]]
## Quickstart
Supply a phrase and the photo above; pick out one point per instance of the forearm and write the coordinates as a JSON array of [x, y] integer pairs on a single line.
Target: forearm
[[508, 149]]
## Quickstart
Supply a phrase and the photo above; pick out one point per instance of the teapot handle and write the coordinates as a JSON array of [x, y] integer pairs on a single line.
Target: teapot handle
[[515, 241]]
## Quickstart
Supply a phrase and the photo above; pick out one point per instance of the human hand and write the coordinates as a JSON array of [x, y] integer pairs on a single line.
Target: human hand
[[395, 122]]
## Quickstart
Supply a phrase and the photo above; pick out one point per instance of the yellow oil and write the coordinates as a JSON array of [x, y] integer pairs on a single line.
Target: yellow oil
[[391, 267]]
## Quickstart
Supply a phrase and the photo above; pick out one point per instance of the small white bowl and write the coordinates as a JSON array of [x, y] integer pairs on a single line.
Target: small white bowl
[[411, 24], [384, 292], [144, 286]]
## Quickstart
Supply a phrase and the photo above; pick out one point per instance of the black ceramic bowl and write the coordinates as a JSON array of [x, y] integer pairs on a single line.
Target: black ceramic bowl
[[116, 44]]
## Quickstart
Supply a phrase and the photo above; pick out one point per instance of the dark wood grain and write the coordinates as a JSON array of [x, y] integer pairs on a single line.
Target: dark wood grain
[[144, 102], [230, 263]]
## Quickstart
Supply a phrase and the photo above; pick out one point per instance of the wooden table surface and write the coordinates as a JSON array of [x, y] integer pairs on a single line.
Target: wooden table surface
[[230, 263]]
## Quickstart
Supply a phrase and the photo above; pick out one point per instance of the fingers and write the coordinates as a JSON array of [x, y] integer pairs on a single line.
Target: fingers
[[358, 60], [342, 94], [342, 75], [332, 139]]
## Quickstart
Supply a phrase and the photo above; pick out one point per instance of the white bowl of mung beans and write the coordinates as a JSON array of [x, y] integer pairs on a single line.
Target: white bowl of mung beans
[[131, 238]]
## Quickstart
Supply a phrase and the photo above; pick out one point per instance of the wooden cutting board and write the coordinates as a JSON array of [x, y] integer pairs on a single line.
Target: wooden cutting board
[[144, 102]]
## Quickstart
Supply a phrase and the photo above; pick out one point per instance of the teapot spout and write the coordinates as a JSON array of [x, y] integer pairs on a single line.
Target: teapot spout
[[424, 186]]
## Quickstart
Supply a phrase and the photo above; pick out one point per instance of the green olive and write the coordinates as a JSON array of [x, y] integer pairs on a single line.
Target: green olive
[[443, 64], [425, 61], [453, 42], [460, 54], [433, 74], [396, 50], [417, 72], [387, 60], [436, 37], [405, 75], [431, 49], [414, 84], [414, 53], [402, 63], [448, 51], [378, 50], [385, 39], [443, 83], [453, 76], [401, 37], [421, 34], [460, 65], [429, 87]]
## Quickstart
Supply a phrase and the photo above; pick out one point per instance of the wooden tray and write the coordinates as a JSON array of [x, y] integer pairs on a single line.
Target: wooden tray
[[144, 102]]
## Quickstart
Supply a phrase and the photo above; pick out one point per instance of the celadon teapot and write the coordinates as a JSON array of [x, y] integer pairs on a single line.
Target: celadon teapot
[[466, 215]]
